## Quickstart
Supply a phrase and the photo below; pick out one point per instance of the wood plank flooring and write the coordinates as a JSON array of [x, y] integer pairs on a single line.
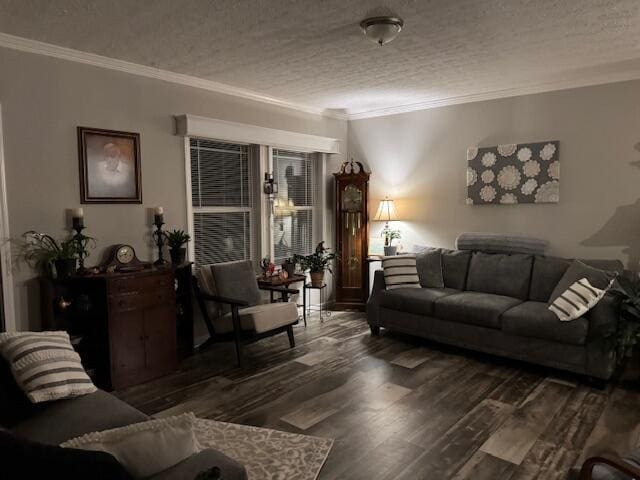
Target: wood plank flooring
[[402, 408]]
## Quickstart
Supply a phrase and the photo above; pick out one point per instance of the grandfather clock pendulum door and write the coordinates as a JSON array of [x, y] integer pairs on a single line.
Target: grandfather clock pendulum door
[[352, 232]]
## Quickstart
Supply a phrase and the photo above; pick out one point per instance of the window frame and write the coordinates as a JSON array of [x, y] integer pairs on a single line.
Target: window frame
[[254, 210], [262, 220]]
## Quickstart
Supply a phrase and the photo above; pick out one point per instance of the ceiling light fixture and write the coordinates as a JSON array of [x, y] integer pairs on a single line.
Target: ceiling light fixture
[[381, 30]]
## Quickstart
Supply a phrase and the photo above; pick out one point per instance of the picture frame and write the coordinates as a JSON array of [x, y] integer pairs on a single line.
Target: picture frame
[[109, 166]]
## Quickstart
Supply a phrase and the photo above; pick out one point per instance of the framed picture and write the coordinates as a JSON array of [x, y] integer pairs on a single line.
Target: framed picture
[[109, 166]]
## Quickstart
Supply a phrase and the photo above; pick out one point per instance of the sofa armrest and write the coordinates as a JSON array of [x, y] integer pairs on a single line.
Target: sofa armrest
[[601, 342], [378, 282], [373, 304], [603, 318]]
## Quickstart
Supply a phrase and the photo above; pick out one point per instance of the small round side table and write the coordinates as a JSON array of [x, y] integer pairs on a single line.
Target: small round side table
[[306, 308]]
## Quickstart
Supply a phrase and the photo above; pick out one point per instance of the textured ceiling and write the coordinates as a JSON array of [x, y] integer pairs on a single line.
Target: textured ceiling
[[312, 52]]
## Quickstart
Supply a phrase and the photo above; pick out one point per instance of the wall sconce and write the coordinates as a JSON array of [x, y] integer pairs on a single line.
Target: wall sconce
[[270, 186]]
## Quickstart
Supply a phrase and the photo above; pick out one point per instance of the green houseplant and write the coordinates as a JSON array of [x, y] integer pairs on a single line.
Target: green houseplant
[[390, 235], [316, 263], [176, 239], [55, 258], [627, 334]]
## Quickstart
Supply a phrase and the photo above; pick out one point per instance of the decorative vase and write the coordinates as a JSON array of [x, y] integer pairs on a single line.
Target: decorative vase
[[65, 267], [289, 267], [317, 279], [178, 255], [390, 250]]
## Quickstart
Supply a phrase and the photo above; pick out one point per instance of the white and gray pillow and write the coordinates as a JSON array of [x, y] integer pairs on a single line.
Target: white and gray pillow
[[147, 448], [400, 271], [577, 300], [45, 365], [578, 270]]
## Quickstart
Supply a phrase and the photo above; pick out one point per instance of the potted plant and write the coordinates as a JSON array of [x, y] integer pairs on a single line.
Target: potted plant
[[390, 235], [51, 257], [289, 266], [176, 239], [627, 334], [316, 263]]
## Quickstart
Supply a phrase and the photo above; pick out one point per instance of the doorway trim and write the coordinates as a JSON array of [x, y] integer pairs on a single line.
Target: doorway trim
[[5, 245]]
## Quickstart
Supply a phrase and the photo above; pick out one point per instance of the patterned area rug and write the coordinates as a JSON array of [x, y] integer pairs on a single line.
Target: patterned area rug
[[266, 454]]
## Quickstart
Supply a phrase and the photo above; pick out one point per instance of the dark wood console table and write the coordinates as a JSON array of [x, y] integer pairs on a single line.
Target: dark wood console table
[[125, 326]]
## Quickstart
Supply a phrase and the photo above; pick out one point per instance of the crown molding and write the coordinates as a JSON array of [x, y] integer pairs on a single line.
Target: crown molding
[[547, 87], [41, 48]]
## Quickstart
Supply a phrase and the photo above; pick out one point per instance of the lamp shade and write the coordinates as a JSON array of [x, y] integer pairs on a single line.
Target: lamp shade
[[386, 211]]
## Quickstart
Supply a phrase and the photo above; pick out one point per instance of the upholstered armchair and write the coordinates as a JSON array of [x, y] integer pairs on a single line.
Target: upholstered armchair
[[231, 304]]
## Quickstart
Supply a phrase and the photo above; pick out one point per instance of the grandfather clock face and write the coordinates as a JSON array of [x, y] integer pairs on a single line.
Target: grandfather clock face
[[352, 199]]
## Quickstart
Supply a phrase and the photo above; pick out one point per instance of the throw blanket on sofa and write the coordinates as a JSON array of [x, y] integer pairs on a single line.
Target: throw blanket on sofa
[[498, 243]]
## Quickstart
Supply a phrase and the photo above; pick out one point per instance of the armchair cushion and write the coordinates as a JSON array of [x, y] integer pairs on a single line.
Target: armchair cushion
[[236, 280], [261, 318]]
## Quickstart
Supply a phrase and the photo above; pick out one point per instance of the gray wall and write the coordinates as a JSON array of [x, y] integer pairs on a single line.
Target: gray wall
[[419, 159], [44, 100]]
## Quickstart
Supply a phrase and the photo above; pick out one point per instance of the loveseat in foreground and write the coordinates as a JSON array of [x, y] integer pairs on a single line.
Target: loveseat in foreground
[[55, 422]]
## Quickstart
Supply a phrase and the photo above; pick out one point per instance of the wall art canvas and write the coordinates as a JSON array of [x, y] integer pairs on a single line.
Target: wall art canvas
[[514, 173], [109, 166]]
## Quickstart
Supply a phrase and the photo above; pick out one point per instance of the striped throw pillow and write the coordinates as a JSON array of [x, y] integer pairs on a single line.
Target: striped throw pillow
[[400, 271], [45, 365], [577, 300]]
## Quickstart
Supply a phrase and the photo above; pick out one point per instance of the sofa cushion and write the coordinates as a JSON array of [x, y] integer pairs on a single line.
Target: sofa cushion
[[65, 419], [577, 271], [500, 274], [429, 265], [205, 460], [477, 308], [546, 273], [535, 320], [35, 460], [419, 301], [455, 265]]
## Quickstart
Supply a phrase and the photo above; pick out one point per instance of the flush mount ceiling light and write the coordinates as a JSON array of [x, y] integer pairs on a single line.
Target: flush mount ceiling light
[[381, 30]]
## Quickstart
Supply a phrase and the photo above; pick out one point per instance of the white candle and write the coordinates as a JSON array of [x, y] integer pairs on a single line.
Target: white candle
[[159, 211], [77, 212]]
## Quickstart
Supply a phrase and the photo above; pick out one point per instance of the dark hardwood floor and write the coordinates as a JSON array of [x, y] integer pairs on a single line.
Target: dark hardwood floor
[[400, 407]]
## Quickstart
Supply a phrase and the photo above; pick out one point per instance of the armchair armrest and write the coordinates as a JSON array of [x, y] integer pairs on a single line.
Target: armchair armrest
[[234, 302], [615, 463]]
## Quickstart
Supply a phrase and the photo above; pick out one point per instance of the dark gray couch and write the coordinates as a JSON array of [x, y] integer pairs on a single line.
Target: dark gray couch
[[55, 422], [497, 303]]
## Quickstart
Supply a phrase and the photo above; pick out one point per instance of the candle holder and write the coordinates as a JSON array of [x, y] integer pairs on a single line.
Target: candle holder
[[81, 241], [158, 235]]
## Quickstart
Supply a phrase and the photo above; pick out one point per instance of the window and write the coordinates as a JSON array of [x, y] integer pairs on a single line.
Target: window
[[293, 212], [222, 196]]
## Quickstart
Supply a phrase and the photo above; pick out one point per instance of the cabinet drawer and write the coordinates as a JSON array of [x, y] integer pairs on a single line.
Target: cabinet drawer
[[127, 303], [140, 285]]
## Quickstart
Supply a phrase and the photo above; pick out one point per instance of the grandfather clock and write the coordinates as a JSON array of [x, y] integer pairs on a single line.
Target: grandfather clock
[[352, 233]]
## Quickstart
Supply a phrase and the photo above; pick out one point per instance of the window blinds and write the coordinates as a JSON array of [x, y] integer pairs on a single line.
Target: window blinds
[[222, 200], [294, 205]]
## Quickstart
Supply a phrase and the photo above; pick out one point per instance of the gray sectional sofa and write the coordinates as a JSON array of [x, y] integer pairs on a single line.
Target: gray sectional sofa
[[497, 303], [55, 422]]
